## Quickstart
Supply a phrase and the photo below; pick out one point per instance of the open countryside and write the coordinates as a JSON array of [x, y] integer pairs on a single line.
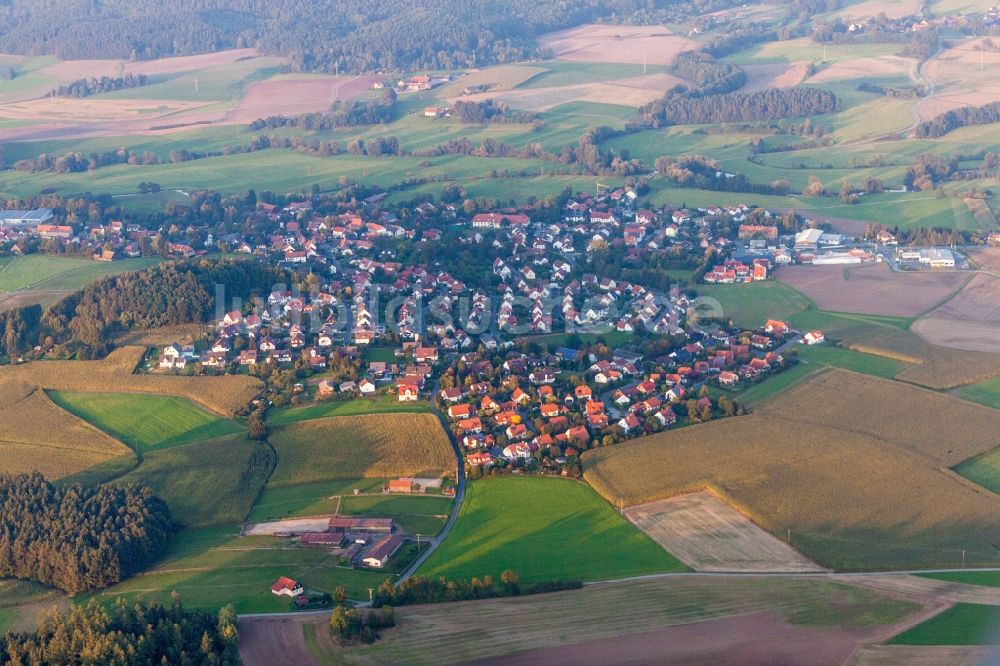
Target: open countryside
[[558, 332]]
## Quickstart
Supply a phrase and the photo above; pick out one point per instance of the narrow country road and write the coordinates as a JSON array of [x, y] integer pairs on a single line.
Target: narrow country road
[[459, 492]]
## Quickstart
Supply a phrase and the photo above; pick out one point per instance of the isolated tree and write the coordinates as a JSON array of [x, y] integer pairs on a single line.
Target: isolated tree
[[814, 188]]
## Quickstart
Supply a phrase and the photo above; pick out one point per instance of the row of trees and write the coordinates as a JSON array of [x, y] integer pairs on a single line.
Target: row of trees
[[76, 538], [96, 86], [419, 590], [489, 111], [142, 632], [358, 112], [945, 122]]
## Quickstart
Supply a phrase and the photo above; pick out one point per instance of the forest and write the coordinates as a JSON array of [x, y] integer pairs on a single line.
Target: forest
[[318, 35], [680, 107], [143, 632], [77, 538], [167, 294]]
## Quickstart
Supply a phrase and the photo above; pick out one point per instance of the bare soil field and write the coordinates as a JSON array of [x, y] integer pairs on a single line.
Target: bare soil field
[[970, 320], [854, 466], [188, 63], [707, 534], [894, 9], [777, 75], [274, 640], [873, 289], [760, 638], [293, 96], [704, 610], [987, 257], [863, 68], [543, 99], [616, 43], [965, 75]]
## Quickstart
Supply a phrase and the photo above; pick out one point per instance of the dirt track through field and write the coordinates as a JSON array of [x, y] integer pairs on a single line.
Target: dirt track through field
[[707, 534]]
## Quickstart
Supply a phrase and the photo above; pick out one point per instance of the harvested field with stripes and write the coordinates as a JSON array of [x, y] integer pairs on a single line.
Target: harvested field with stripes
[[705, 533]]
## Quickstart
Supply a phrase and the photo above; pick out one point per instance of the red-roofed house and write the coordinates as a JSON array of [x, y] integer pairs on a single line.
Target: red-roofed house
[[286, 587]]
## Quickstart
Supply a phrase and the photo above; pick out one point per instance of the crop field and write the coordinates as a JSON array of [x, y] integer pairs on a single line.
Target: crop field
[[962, 624], [36, 435], [384, 404], [146, 422], [215, 566], [872, 289], [773, 385], [707, 534], [847, 359], [224, 395], [525, 524], [416, 514], [790, 465], [350, 447], [751, 305], [968, 321], [809, 617], [212, 482], [983, 469]]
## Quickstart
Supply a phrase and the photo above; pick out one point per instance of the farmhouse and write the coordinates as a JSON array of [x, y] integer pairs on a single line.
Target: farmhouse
[[383, 549], [287, 587], [402, 486], [813, 337]]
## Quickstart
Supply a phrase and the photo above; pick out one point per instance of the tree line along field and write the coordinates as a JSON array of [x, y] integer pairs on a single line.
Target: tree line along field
[[855, 467], [544, 529]]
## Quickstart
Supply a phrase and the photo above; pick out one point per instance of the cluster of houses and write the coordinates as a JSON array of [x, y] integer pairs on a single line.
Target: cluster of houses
[[519, 408]]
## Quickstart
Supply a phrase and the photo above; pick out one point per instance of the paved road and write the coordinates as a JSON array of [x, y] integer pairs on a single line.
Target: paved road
[[459, 492]]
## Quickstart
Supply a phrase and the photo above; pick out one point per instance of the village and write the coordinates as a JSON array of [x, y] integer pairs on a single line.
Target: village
[[534, 363]]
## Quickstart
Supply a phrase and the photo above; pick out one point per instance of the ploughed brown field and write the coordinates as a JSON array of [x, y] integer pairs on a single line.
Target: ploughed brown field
[[970, 320], [854, 467], [873, 289]]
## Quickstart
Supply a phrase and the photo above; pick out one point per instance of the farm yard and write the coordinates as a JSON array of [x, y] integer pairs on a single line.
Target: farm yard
[[788, 466], [694, 618], [526, 523]]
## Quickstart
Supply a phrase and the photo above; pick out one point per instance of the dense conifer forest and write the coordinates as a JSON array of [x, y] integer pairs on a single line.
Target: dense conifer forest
[[76, 538]]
